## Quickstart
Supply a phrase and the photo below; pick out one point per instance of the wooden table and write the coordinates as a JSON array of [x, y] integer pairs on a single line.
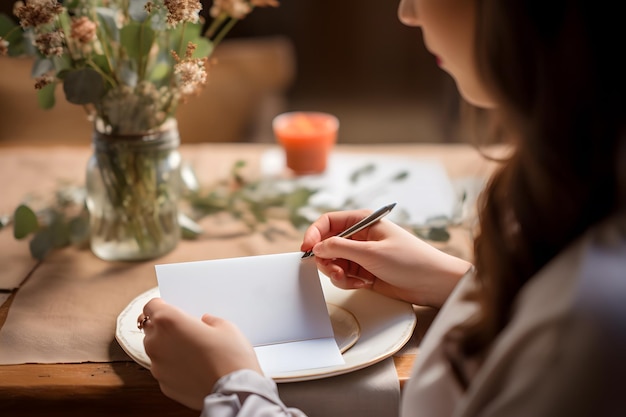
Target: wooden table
[[112, 389], [126, 388]]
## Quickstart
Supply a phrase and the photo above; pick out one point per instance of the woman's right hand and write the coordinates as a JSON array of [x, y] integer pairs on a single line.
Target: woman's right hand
[[383, 257]]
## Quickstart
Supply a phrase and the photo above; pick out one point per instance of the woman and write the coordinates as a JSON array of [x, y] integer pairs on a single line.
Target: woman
[[537, 327]]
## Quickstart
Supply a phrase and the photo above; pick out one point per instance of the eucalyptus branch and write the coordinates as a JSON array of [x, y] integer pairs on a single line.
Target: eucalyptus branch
[[252, 202], [104, 75]]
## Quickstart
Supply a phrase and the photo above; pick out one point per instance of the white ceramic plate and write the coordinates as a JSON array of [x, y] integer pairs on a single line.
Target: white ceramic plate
[[346, 328], [385, 326]]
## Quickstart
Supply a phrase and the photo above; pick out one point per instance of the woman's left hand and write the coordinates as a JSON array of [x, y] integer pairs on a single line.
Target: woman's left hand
[[189, 355]]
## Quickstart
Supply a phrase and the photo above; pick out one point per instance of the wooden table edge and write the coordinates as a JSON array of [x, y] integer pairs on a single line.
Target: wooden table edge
[[88, 377]]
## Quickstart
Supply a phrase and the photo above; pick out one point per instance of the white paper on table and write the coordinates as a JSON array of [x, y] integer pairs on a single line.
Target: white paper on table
[[424, 192], [276, 301]]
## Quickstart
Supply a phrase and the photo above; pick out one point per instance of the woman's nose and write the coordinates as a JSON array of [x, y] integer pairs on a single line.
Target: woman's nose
[[407, 12]]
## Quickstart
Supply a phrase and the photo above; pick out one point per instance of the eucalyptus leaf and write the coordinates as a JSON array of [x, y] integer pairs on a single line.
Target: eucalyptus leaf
[[41, 66], [192, 33], [108, 18], [258, 213], [160, 71], [79, 230], [13, 34], [83, 86], [236, 171], [65, 21], [435, 234], [204, 48], [7, 25], [400, 176], [366, 169], [101, 62], [62, 64], [42, 243], [24, 221], [192, 30], [299, 198], [60, 231], [45, 96], [439, 234], [137, 39], [63, 73], [175, 39]]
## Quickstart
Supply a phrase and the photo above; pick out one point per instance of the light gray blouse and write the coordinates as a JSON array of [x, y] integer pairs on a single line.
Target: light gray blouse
[[562, 354]]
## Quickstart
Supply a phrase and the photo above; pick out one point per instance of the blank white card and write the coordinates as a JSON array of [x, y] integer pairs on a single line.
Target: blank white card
[[276, 300]]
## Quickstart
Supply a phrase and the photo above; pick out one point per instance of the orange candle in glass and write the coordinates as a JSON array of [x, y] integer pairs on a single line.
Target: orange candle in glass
[[307, 138]]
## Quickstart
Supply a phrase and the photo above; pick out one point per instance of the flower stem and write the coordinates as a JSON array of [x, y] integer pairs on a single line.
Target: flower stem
[[181, 46], [10, 32], [223, 31], [104, 75], [106, 48], [215, 26], [141, 66]]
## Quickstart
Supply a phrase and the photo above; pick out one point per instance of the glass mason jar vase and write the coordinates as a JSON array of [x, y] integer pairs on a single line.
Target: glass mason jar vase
[[133, 188]]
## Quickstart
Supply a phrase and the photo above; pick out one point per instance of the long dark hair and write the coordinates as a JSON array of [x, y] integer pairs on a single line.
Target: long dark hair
[[556, 71]]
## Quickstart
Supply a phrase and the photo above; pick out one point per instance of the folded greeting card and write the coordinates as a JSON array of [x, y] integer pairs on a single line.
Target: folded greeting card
[[276, 300]]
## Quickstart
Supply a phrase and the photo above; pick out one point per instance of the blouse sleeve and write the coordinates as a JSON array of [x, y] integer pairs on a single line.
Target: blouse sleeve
[[246, 393]]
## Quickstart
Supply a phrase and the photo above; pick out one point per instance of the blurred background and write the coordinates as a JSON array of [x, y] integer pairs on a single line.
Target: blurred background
[[350, 58]]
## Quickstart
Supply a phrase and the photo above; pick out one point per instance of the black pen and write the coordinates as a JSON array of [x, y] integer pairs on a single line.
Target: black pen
[[360, 225]]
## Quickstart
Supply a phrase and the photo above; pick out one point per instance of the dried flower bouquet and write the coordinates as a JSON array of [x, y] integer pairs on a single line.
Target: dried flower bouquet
[[129, 63]]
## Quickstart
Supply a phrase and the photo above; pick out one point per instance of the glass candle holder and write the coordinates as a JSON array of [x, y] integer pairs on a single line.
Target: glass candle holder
[[307, 139]]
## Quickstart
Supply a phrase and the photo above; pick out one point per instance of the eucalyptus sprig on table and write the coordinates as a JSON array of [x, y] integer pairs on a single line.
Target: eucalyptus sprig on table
[[65, 220], [251, 202], [62, 223]]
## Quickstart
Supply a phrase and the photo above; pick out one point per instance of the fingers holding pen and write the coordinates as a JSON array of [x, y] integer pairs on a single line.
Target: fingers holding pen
[[343, 270], [330, 224]]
